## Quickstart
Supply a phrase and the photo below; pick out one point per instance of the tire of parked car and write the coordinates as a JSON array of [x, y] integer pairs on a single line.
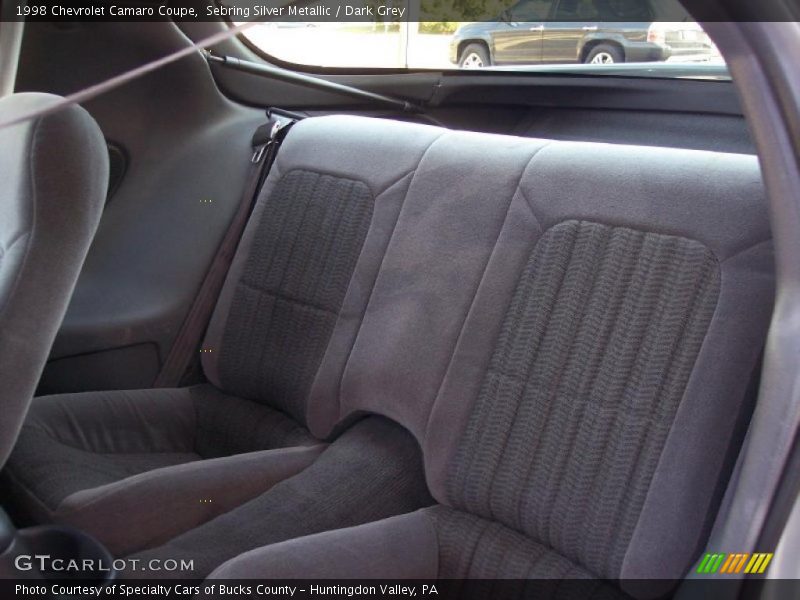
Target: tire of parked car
[[605, 54], [474, 56]]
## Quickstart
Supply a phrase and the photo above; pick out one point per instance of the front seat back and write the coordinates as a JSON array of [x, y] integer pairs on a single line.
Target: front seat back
[[54, 175]]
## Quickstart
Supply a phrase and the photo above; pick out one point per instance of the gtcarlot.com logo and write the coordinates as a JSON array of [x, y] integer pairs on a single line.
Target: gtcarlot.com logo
[[46, 563]]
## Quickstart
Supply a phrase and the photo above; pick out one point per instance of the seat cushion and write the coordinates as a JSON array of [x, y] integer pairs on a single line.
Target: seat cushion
[[371, 472], [85, 459], [432, 543]]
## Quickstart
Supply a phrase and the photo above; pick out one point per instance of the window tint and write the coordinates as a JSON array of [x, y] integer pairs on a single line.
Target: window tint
[[571, 10], [624, 9], [530, 10], [607, 10]]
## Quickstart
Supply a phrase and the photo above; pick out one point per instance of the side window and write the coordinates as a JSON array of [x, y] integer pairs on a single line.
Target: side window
[[603, 10], [577, 10], [627, 10], [530, 10]]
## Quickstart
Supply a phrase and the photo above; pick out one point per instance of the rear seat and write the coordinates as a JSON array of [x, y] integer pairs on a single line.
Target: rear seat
[[387, 359], [568, 331]]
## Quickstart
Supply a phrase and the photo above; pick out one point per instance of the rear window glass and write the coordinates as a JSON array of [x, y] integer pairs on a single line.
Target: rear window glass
[[517, 35]]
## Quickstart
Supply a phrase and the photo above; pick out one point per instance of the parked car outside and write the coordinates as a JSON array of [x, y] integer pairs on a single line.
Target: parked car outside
[[579, 31]]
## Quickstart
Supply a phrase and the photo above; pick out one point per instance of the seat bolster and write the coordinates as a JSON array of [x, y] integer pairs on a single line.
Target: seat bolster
[[134, 421], [148, 509], [401, 547], [72, 442], [672, 528], [54, 172]]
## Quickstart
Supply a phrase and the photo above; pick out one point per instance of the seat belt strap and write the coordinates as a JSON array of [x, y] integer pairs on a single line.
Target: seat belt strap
[[184, 352]]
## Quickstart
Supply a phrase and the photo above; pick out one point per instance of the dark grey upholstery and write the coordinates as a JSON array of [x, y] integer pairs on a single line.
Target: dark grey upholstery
[[373, 470], [715, 200], [104, 461], [100, 461], [590, 365], [54, 173], [288, 298], [478, 558], [569, 330], [161, 428], [400, 547]]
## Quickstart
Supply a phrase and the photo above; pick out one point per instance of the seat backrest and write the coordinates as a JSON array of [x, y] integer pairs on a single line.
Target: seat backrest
[[569, 330], [319, 228], [54, 173], [597, 406]]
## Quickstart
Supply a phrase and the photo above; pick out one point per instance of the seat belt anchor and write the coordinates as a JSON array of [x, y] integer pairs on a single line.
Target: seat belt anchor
[[259, 153], [261, 149]]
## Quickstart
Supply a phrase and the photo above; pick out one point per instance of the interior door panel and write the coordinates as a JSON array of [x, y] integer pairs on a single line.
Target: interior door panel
[[186, 155]]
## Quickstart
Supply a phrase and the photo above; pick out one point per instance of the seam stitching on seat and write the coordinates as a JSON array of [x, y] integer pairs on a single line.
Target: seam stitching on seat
[[9, 470], [745, 250], [437, 538], [395, 182], [521, 500], [4, 249], [32, 183], [480, 282], [289, 299], [521, 191], [380, 268], [289, 253]]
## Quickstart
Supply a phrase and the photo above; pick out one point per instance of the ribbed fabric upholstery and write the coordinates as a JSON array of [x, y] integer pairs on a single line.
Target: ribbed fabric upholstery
[[473, 548], [594, 356], [286, 303], [561, 394]]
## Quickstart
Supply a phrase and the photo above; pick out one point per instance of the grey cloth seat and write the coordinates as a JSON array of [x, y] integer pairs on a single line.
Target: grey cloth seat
[[581, 402], [92, 460], [373, 470], [429, 544], [566, 330], [135, 468], [54, 174], [411, 302]]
